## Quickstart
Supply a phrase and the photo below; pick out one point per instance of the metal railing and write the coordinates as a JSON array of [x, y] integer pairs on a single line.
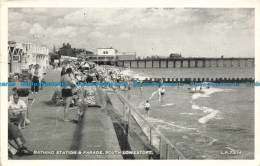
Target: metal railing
[[168, 147]]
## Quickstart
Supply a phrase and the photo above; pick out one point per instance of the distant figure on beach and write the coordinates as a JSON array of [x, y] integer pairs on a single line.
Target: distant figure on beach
[[159, 92], [141, 90], [162, 92], [207, 87], [147, 108]]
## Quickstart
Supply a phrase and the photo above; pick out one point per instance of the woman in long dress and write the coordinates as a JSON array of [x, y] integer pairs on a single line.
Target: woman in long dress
[[88, 99]]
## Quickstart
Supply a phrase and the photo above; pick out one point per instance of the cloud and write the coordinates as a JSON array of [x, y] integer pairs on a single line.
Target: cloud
[[13, 15], [63, 31], [96, 34], [36, 29], [165, 29], [124, 35]]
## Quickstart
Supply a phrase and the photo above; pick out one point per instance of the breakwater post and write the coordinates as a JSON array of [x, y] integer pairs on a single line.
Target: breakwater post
[[188, 80]]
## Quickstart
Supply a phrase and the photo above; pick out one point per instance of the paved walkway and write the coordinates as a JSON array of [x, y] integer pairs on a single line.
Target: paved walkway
[[47, 132]]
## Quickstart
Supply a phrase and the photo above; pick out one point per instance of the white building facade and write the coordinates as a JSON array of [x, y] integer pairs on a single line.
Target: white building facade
[[21, 55], [106, 51], [110, 56]]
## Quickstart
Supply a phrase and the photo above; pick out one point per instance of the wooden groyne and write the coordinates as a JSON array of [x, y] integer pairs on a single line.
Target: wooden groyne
[[188, 80]]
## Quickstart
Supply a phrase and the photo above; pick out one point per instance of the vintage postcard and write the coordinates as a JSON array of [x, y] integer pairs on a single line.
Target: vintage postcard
[[84, 80]]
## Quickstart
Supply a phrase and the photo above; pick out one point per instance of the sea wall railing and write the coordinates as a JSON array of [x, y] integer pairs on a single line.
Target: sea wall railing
[[165, 147]]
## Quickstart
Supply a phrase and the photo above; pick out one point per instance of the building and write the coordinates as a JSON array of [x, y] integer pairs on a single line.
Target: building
[[82, 53], [175, 56], [104, 56], [67, 58], [21, 55], [106, 51], [110, 56], [55, 58], [66, 50]]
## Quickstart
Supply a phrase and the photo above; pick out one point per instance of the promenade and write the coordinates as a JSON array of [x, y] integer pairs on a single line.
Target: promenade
[[47, 133]]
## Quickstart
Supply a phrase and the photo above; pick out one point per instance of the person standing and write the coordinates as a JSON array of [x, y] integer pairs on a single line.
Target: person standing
[[159, 92], [141, 90], [67, 92], [63, 71], [147, 108], [31, 71], [40, 71], [162, 92], [35, 79]]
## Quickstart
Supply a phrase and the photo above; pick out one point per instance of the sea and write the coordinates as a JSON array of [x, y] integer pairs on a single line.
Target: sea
[[215, 124]]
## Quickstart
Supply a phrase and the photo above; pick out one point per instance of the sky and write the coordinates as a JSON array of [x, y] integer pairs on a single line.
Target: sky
[[193, 32]]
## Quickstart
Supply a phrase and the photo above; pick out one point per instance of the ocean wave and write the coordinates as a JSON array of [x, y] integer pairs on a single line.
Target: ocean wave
[[211, 113], [126, 71], [187, 113], [208, 117], [140, 76], [188, 132], [153, 94], [167, 104], [195, 107], [209, 92], [168, 124], [141, 105]]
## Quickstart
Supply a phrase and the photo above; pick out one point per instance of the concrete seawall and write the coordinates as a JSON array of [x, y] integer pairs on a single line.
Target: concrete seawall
[[49, 133]]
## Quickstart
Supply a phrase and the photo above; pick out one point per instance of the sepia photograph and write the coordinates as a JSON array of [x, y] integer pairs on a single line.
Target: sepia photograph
[[130, 83]]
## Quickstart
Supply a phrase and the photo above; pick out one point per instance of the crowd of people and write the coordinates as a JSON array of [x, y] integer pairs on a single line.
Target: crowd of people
[[84, 96], [17, 112], [71, 95], [17, 109]]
